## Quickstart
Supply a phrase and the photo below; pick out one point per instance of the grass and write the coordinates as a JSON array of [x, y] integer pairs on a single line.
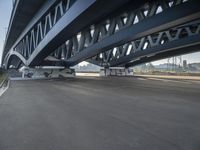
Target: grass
[[3, 75]]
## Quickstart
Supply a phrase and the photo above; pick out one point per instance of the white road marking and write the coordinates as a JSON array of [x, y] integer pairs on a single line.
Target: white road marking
[[143, 79], [168, 80], [3, 89]]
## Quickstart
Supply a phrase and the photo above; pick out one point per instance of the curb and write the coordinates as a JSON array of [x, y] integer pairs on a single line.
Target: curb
[[4, 86]]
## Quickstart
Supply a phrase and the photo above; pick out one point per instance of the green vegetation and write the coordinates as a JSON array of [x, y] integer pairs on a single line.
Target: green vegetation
[[3, 75], [192, 69]]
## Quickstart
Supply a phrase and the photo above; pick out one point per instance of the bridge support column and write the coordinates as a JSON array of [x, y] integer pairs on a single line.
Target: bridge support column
[[47, 72], [116, 71]]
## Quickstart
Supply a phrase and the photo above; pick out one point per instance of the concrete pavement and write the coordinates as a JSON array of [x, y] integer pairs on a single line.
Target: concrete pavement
[[101, 114]]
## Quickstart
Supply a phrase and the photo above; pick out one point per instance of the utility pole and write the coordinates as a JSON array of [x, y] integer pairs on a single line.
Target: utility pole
[[174, 63]]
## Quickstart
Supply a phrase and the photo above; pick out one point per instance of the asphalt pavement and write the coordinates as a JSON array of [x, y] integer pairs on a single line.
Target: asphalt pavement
[[118, 113]]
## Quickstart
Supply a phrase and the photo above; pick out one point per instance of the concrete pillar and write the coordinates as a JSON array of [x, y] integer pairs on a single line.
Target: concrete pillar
[[23, 74], [116, 71]]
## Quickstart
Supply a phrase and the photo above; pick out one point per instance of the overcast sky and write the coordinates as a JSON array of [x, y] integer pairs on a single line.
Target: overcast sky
[[5, 11]]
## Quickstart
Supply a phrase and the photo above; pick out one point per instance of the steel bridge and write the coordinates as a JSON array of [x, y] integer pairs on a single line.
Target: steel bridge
[[108, 33]]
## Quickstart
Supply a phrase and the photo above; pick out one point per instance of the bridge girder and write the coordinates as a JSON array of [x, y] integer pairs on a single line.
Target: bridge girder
[[106, 39], [152, 24], [174, 41], [62, 31], [22, 14], [63, 20]]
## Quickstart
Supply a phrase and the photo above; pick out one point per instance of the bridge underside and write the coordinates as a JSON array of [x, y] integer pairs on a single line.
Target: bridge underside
[[125, 33]]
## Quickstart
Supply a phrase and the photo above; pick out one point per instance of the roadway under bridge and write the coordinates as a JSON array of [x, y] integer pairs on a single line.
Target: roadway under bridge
[[112, 33], [98, 113], [101, 114]]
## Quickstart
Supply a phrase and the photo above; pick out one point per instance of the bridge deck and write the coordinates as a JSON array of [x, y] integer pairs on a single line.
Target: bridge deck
[[100, 114]]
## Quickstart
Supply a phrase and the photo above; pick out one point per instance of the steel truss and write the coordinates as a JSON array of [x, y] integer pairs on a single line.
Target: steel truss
[[146, 47], [133, 30], [102, 38], [33, 38], [37, 30], [62, 20]]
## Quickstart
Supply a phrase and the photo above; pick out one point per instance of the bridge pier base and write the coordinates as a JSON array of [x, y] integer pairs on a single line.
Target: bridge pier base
[[47, 72], [116, 71]]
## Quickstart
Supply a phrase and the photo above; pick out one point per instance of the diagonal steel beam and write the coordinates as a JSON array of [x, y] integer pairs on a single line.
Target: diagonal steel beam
[[174, 48], [163, 55], [82, 14], [175, 16], [21, 15]]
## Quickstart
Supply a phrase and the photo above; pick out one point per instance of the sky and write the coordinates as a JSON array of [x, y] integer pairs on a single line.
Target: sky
[[5, 12]]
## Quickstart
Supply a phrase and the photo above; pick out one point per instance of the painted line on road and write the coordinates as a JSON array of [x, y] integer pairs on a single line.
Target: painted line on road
[[193, 81], [167, 80], [142, 79], [3, 90]]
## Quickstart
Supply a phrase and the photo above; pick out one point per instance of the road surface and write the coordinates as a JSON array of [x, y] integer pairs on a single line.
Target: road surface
[[101, 114]]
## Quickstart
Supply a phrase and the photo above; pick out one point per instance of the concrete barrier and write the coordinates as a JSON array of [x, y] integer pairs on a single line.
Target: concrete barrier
[[116, 71], [47, 72]]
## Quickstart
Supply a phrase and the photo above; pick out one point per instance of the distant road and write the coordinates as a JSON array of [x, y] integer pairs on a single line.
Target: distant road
[[87, 74], [171, 77], [135, 113], [150, 76]]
